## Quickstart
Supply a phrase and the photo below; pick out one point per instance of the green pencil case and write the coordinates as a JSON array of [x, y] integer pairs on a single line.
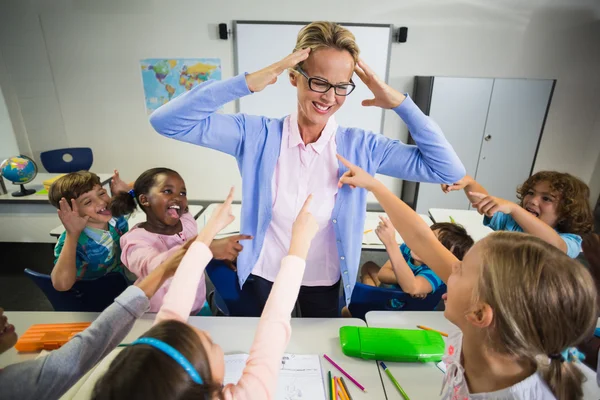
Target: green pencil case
[[383, 344]]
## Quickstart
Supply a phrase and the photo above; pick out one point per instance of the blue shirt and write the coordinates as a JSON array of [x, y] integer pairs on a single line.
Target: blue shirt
[[255, 142], [419, 270], [505, 222]]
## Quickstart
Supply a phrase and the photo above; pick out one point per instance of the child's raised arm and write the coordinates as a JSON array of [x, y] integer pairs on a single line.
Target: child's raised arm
[[179, 300], [259, 379], [415, 232], [64, 273], [490, 205], [398, 271]]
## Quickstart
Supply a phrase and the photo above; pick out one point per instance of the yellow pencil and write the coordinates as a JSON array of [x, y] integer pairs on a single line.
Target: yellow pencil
[[367, 231], [333, 394], [433, 330]]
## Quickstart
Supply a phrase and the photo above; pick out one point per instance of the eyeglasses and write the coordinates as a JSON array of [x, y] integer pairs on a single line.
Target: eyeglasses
[[320, 85]]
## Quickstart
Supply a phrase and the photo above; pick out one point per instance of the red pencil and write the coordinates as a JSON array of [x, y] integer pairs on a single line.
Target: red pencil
[[347, 375]]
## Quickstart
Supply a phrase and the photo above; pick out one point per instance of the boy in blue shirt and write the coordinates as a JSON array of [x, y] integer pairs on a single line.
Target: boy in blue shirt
[[554, 206], [405, 270], [89, 247]]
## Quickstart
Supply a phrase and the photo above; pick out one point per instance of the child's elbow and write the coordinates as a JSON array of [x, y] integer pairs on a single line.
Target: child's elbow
[[62, 285]]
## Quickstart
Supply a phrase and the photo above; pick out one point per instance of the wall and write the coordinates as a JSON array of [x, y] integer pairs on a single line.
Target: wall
[[8, 142], [83, 57]]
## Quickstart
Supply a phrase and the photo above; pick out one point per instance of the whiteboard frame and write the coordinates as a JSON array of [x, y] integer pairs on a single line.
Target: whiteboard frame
[[348, 24]]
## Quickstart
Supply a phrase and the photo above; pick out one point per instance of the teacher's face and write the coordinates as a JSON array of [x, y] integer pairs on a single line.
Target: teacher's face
[[336, 67]]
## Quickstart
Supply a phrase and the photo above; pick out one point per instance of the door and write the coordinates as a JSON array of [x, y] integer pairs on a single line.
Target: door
[[512, 133]]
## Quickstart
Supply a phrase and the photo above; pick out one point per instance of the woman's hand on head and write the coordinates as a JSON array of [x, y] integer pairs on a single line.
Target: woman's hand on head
[[385, 95], [259, 80], [355, 176]]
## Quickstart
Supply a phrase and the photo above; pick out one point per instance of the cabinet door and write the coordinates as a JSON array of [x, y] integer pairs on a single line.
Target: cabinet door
[[460, 107], [512, 133]]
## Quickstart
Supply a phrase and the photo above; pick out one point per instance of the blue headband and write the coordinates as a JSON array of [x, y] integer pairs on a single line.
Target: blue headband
[[132, 193], [174, 354]]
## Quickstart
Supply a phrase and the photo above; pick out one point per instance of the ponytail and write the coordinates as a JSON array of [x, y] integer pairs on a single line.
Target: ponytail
[[123, 203], [564, 379]]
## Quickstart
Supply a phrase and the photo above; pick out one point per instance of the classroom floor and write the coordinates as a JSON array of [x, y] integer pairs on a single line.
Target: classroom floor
[[18, 293]]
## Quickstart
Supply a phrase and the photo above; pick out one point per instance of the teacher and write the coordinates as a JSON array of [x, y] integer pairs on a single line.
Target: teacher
[[282, 161]]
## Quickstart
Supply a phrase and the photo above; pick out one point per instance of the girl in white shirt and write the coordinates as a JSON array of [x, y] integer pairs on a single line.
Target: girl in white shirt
[[520, 303]]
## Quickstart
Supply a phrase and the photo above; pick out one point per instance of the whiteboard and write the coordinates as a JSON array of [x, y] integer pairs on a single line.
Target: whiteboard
[[259, 44]]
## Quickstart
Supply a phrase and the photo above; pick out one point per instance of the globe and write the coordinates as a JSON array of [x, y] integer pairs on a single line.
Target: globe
[[19, 170]]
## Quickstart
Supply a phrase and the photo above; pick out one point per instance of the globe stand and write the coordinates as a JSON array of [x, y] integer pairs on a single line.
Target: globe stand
[[23, 192]]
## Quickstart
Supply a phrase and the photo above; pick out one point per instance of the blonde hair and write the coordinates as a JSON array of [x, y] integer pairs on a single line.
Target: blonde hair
[[543, 302], [323, 34]]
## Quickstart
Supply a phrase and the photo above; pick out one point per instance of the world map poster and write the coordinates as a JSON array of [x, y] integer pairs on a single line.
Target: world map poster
[[167, 78]]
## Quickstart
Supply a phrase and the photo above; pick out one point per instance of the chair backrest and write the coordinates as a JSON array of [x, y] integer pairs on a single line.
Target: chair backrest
[[53, 161], [370, 298], [92, 295], [238, 302]]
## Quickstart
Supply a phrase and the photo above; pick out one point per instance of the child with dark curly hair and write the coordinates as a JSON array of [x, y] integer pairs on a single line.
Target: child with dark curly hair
[[554, 206]]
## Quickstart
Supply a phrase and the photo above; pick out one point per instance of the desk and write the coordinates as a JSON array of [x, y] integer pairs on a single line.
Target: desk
[[424, 380], [370, 240], [136, 218], [470, 219], [30, 218], [234, 335]]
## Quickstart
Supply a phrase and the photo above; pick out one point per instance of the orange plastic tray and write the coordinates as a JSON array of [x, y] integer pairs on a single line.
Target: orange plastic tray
[[48, 336]]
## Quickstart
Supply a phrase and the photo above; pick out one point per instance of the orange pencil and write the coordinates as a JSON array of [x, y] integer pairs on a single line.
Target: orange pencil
[[344, 395], [433, 330]]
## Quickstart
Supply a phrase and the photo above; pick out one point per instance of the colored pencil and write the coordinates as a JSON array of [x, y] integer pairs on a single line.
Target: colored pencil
[[347, 375], [343, 382], [394, 381], [431, 329], [452, 219], [330, 386], [340, 395], [367, 231], [344, 395]]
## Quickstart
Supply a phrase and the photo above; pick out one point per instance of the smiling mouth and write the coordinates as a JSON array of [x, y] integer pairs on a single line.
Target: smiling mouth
[[321, 108], [529, 210], [104, 211]]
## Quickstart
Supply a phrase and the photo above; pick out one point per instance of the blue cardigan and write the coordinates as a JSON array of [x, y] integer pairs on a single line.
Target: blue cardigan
[[255, 141]]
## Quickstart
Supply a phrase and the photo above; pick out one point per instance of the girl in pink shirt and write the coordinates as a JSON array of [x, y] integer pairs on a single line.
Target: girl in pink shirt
[[161, 194], [174, 360]]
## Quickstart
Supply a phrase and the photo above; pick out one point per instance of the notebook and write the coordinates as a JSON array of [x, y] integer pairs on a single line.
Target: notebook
[[300, 376]]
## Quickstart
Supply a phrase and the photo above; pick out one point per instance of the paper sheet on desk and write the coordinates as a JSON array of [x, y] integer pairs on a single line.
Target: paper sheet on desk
[[371, 238], [300, 376]]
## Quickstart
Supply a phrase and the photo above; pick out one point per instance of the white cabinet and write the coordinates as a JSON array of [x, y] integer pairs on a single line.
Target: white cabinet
[[495, 126]]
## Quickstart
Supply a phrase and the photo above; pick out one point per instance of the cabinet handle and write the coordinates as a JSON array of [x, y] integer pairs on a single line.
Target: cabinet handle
[[488, 138]]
